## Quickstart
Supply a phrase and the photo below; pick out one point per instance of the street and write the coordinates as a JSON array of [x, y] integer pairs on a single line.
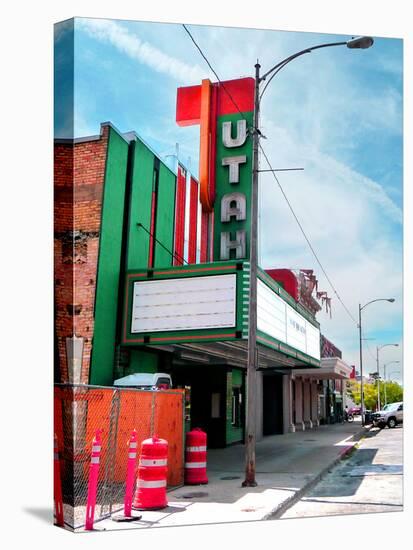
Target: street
[[369, 480], [287, 465]]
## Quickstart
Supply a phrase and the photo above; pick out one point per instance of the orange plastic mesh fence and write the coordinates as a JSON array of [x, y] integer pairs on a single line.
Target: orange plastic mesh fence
[[81, 410]]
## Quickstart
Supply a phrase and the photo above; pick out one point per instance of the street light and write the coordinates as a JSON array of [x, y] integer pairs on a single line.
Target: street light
[[385, 379], [391, 300], [378, 348], [361, 42]]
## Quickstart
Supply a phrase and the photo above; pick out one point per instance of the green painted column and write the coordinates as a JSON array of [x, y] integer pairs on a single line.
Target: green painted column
[[140, 206], [142, 361], [165, 217], [109, 261]]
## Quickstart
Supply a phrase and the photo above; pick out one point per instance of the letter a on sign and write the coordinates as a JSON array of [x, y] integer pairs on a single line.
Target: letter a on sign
[[233, 204]]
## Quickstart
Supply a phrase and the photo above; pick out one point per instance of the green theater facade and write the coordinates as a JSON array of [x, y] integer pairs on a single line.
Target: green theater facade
[[168, 288]]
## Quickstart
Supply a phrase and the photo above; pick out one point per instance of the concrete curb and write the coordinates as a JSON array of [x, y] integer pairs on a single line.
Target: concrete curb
[[284, 506]]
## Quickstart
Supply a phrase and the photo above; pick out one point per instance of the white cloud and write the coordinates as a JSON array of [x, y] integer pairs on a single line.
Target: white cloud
[[351, 223], [109, 31], [316, 114]]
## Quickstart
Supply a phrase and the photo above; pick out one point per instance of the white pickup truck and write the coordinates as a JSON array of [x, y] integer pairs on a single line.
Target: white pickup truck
[[145, 381], [390, 415]]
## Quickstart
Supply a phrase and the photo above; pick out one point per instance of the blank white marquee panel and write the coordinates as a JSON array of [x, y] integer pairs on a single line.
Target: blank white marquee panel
[[184, 304], [279, 320], [270, 313], [313, 341]]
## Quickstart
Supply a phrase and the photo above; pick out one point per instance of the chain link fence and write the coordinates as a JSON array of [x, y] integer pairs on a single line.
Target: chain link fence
[[80, 410]]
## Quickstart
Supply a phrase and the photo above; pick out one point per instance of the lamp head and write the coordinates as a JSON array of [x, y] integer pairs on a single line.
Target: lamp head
[[391, 300], [361, 42]]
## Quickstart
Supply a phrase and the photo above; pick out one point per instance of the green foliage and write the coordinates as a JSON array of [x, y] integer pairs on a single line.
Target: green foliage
[[394, 392], [370, 396]]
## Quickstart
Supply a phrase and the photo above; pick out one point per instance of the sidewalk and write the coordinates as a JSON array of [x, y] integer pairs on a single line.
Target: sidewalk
[[287, 465]]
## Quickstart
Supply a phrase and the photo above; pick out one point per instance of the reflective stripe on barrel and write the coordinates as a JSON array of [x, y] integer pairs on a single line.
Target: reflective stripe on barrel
[[151, 484], [195, 464], [150, 462]]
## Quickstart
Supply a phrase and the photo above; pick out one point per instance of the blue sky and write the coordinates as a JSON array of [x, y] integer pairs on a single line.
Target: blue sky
[[338, 113]]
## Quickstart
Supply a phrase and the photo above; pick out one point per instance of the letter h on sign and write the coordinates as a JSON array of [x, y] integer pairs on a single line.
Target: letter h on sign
[[227, 245]]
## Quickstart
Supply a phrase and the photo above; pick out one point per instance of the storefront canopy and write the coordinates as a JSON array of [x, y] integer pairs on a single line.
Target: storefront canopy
[[330, 368]]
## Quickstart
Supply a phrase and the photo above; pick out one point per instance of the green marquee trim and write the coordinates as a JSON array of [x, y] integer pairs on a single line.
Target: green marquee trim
[[271, 342], [239, 331]]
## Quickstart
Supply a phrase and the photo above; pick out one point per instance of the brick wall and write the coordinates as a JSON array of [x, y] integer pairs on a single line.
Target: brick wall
[[78, 191]]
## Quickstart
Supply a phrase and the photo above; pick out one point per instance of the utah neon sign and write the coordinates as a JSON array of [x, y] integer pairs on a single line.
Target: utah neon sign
[[224, 112]]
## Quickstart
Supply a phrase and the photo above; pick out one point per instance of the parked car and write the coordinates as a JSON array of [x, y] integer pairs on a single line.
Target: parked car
[[145, 381], [355, 410], [390, 415]]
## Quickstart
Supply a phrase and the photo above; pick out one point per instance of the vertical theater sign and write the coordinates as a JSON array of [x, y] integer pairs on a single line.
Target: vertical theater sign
[[207, 302], [224, 112]]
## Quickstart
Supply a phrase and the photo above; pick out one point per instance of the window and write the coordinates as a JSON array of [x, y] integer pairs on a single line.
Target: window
[[163, 382]]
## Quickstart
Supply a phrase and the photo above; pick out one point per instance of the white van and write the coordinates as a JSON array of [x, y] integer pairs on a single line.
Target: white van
[[145, 381]]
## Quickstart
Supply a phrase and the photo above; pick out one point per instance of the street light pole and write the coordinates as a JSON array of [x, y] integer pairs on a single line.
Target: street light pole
[[378, 378], [361, 371], [378, 348], [385, 379], [362, 42], [391, 300], [252, 359]]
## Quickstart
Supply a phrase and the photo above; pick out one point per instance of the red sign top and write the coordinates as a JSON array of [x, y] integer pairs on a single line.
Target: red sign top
[[238, 92]]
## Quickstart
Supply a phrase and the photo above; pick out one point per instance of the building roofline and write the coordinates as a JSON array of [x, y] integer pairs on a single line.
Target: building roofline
[[126, 136]]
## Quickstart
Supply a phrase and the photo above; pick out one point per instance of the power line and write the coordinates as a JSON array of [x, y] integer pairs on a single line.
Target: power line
[[174, 255], [275, 177], [213, 70], [369, 350], [305, 236]]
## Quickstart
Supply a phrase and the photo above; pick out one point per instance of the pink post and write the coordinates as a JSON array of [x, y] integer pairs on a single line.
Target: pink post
[[93, 480], [58, 499], [130, 474]]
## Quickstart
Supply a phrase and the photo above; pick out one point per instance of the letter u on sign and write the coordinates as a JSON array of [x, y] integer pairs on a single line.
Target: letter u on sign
[[227, 138]]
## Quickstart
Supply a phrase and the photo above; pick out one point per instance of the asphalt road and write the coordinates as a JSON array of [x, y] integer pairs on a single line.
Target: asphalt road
[[369, 480]]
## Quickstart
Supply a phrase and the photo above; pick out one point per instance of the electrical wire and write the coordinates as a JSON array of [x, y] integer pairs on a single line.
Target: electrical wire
[[305, 236], [213, 70], [174, 255], [369, 350], [273, 173]]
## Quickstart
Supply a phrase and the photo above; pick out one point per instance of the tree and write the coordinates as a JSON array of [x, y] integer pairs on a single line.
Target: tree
[[370, 396], [394, 392], [370, 393]]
